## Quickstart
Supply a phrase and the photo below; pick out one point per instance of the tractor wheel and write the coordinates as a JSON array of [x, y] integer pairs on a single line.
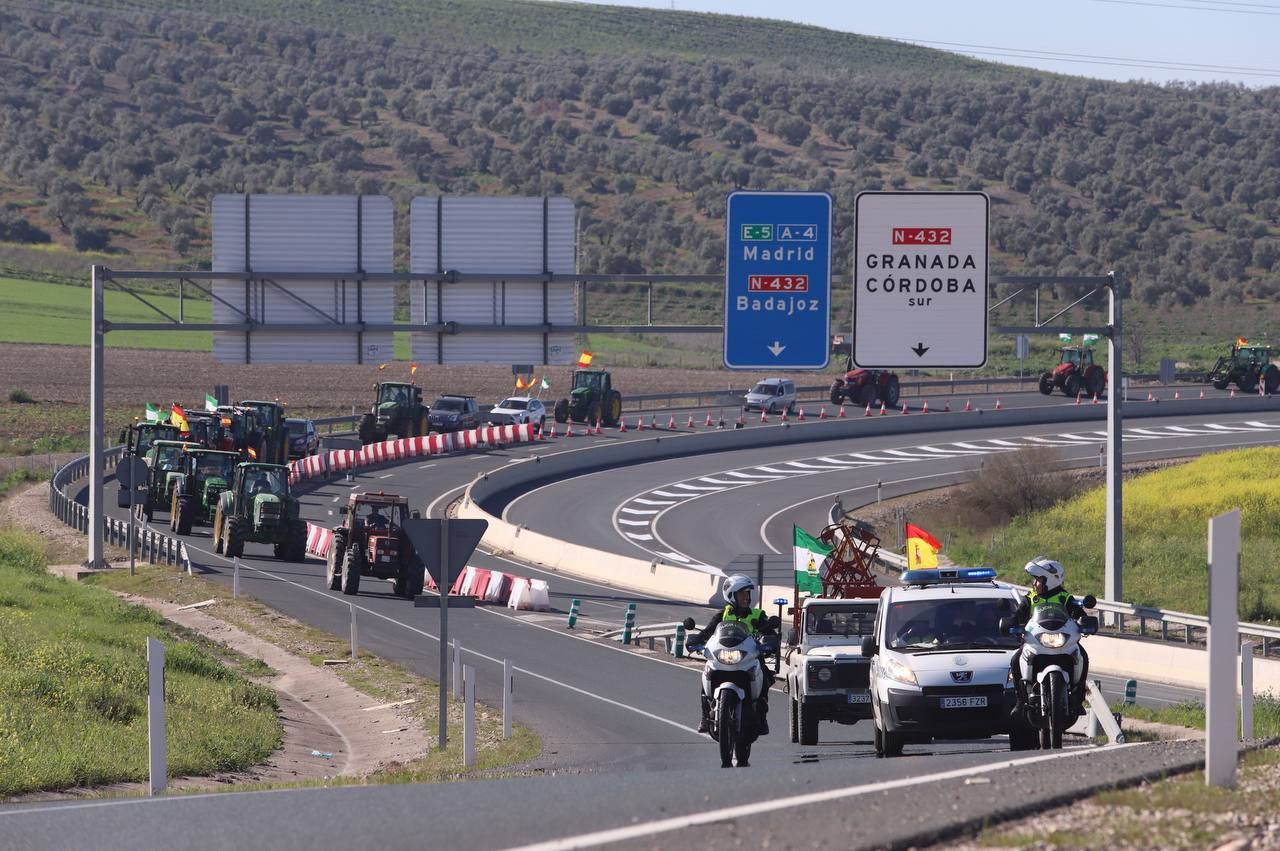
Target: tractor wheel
[[368, 429], [866, 394], [562, 411], [1248, 383], [173, 512], [594, 412], [296, 545], [613, 411], [1221, 383], [1095, 381], [891, 391], [185, 514], [352, 565], [236, 532], [219, 535], [1271, 379], [424, 423], [1046, 384], [1072, 385], [333, 565], [836, 396]]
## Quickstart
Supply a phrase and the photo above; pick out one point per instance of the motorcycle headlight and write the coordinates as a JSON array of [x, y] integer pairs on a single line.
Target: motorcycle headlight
[[1053, 639], [895, 670], [729, 657]]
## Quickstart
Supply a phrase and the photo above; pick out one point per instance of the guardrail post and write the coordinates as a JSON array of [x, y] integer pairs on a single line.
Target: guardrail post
[[574, 605], [457, 671], [508, 686], [355, 647], [469, 716], [628, 623], [1246, 690], [678, 649]]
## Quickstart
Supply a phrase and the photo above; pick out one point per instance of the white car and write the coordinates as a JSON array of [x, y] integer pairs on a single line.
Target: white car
[[518, 410], [772, 395], [940, 665]]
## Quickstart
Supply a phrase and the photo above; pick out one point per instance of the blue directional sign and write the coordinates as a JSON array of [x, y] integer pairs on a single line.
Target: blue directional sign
[[777, 295]]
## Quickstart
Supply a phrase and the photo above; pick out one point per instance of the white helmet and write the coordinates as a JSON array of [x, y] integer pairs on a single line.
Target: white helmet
[[734, 584], [1048, 568]]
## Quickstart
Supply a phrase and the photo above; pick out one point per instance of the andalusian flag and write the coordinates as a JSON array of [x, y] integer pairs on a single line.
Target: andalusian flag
[[584, 359], [179, 418], [808, 553], [153, 413], [922, 549], [210, 403], [546, 385]]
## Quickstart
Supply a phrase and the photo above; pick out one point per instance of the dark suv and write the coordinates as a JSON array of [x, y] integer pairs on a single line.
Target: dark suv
[[454, 413], [303, 439]]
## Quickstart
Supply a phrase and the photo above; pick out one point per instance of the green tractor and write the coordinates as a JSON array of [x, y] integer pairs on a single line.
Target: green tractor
[[1248, 365], [199, 482], [274, 445], [164, 460], [137, 440], [593, 399], [399, 411], [258, 507]]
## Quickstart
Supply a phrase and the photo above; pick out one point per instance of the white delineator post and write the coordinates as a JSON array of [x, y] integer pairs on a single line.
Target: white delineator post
[[507, 688], [156, 745], [469, 716], [1246, 690], [1221, 748]]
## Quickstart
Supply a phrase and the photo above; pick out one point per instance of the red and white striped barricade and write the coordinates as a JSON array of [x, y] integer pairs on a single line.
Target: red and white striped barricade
[[529, 595], [319, 539]]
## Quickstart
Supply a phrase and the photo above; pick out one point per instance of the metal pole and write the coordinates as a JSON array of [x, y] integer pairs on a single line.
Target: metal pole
[[132, 511], [507, 687], [1246, 690], [1114, 576], [469, 716], [97, 384], [457, 671], [649, 311], [1221, 748], [355, 646], [444, 632], [760, 575]]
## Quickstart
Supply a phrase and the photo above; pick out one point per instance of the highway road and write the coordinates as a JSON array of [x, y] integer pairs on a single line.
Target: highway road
[[602, 710]]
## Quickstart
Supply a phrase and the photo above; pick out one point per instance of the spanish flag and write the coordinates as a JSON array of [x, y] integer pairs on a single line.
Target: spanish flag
[[922, 548], [584, 359], [413, 370], [520, 385], [179, 418], [1241, 341]]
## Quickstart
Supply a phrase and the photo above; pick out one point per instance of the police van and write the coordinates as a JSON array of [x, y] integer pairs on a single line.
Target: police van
[[940, 665]]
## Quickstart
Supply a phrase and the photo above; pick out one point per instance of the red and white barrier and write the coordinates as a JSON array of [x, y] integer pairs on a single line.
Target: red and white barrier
[[319, 540], [529, 595], [498, 588]]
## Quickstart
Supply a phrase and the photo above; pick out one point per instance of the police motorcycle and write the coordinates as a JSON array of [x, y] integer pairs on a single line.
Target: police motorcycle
[[733, 680], [1051, 669]]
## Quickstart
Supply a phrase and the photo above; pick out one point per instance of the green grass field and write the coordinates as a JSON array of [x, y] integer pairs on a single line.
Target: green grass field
[[39, 312], [73, 686], [1166, 516]]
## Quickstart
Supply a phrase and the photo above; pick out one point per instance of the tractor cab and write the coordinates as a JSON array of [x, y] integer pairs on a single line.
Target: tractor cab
[[269, 418], [205, 427], [240, 431], [137, 438], [1077, 357], [165, 460], [378, 519], [165, 456], [398, 393], [201, 479], [593, 381]]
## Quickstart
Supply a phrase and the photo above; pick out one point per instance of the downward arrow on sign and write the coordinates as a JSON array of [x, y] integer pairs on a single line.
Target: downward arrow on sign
[[920, 349], [776, 348]]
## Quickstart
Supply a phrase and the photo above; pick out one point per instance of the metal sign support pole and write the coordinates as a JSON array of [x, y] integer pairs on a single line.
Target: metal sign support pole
[[444, 632], [1114, 577], [1222, 646], [97, 384]]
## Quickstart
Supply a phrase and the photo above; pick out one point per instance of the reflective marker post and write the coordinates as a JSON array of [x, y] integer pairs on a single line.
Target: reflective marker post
[[1221, 748], [1246, 690], [156, 744]]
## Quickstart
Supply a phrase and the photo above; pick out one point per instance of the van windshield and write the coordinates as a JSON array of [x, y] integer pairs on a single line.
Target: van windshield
[[949, 624], [765, 389]]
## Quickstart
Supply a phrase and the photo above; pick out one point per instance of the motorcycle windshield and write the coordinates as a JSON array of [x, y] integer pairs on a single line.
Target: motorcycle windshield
[[731, 634], [1051, 618]]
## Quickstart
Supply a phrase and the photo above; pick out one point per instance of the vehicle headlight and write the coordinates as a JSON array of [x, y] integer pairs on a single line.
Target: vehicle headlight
[[729, 657], [1053, 639], [824, 675], [895, 670]]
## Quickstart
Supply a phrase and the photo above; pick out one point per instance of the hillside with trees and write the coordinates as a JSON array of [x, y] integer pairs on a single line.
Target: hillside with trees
[[119, 124]]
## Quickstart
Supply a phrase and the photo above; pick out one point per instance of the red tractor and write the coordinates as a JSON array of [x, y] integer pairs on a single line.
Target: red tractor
[[1076, 373], [865, 386], [371, 542]]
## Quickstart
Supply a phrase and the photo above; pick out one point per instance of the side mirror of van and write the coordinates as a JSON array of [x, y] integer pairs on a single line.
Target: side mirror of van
[[869, 646]]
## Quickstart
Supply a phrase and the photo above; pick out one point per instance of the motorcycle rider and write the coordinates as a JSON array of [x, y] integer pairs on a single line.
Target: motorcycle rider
[[1047, 589], [736, 592]]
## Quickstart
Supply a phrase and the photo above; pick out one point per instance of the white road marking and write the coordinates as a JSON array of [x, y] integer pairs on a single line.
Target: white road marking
[[842, 463], [634, 522], [754, 477], [815, 468], [387, 476], [669, 494], [653, 501], [425, 466], [719, 482], [701, 488], [765, 469], [636, 537], [773, 804], [648, 511]]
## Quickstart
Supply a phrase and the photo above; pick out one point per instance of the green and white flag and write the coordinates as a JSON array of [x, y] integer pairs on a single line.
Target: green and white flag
[[808, 554], [153, 413], [546, 385], [1066, 338], [210, 403]]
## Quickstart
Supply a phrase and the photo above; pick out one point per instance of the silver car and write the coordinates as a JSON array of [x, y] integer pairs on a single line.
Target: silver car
[[773, 395], [519, 409]]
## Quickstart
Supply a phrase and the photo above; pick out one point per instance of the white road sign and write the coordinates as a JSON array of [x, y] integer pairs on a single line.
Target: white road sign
[[920, 279]]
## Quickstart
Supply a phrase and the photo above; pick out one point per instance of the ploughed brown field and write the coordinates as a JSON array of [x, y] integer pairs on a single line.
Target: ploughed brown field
[[60, 374]]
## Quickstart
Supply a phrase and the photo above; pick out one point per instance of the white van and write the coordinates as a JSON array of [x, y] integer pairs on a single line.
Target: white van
[[773, 395], [940, 666]]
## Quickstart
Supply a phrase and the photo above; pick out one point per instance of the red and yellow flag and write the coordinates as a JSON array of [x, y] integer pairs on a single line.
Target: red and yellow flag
[[584, 359], [1241, 341], [179, 418], [922, 548], [253, 453], [382, 366], [520, 385], [413, 369]]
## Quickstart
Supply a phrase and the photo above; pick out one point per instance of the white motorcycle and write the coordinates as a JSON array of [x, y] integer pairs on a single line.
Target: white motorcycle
[[733, 681], [1051, 669]]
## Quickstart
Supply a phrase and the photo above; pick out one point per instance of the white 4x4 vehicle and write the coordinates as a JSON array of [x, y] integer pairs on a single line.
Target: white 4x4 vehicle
[[940, 664], [827, 675]]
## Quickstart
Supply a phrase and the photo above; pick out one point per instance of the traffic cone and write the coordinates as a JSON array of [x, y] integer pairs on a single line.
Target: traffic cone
[[622, 425], [764, 416], [882, 407], [639, 423], [784, 415], [653, 421], [541, 435], [904, 408], [708, 422], [598, 429], [968, 406], [946, 407], [1176, 395], [1233, 392], [840, 415], [1201, 394], [568, 432], [690, 423], [1078, 395], [1150, 397], [868, 411], [822, 412], [741, 420], [1095, 398], [671, 423], [801, 417], [925, 409], [997, 404], [553, 431]]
